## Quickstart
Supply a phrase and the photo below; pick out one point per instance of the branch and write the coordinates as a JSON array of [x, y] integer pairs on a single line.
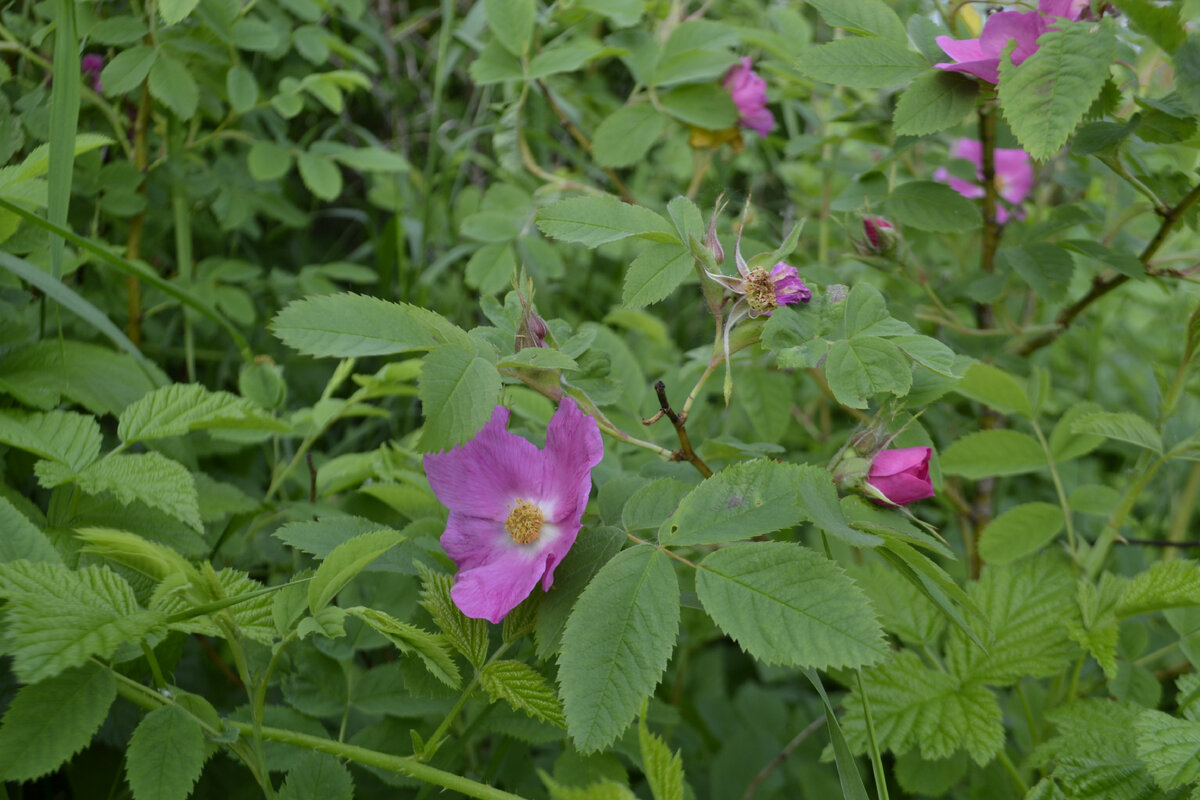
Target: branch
[[685, 451]]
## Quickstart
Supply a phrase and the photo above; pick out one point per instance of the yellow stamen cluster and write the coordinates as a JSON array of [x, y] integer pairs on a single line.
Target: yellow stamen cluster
[[524, 523], [760, 290]]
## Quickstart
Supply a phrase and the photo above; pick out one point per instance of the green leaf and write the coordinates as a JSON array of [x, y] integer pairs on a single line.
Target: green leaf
[[1020, 531], [786, 604], [624, 137], [458, 391], [59, 618], [172, 85], [706, 105], [320, 175], [49, 722], [929, 353], [931, 206], [511, 22], [1046, 96], [319, 776], [166, 755], [352, 325], [652, 503], [663, 769], [616, 645], [182, 407], [593, 221], [1122, 426], [851, 781], [268, 161], [117, 30], [995, 388], [935, 101], [65, 437], [174, 11], [1027, 605], [127, 70], [591, 551], [1167, 584], [467, 636], [430, 648], [345, 562], [1160, 23], [655, 273], [44, 374], [604, 789], [1046, 267], [150, 478], [860, 368], [1094, 752], [996, 452], [870, 17], [243, 93], [915, 706], [491, 267], [861, 62], [566, 57], [250, 33], [865, 312], [1169, 747], [523, 688], [21, 538]]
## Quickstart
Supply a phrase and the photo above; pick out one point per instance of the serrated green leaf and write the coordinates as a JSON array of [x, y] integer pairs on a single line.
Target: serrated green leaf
[[430, 648], [616, 644], [21, 539], [601, 790], [996, 388], [58, 618], [1020, 531], [862, 62], [43, 374], [150, 478], [351, 325], [663, 769], [934, 101], [994, 452], [1046, 267], [1167, 584], [458, 391], [1161, 23], [182, 407], [650, 505], [467, 636], [523, 688], [931, 206], [786, 604], [655, 273], [345, 562], [591, 551], [64, 437], [50, 721], [871, 17], [172, 85], [593, 221], [1169, 747], [166, 755], [739, 502], [1046, 95], [860, 368], [625, 135], [174, 11], [865, 312], [1093, 753], [319, 776], [1122, 426], [914, 706]]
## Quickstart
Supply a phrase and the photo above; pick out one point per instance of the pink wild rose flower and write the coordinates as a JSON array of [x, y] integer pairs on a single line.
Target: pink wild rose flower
[[749, 93], [91, 65], [1014, 174], [515, 510], [902, 475], [981, 57]]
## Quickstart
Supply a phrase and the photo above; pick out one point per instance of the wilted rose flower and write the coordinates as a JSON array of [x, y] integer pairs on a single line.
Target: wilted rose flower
[[1014, 174], [901, 476], [981, 57], [749, 93]]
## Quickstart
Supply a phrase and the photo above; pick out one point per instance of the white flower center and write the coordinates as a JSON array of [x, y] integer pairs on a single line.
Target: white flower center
[[524, 523]]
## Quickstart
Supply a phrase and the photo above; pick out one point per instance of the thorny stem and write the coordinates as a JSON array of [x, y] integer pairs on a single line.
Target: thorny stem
[[685, 453], [1102, 286]]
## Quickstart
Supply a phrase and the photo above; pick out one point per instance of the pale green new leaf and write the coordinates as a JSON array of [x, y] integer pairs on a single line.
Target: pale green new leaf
[[319, 776], [21, 539], [862, 62], [65, 437], [345, 562], [740, 502], [523, 688], [1122, 426], [655, 273], [663, 769], [151, 478], [349, 325], [182, 407], [593, 221], [915, 706], [993, 452], [616, 644], [166, 755], [467, 636], [50, 721], [429, 647], [1046, 96], [786, 604], [1167, 584], [58, 618], [1020, 531], [458, 392], [1094, 754], [1169, 747]]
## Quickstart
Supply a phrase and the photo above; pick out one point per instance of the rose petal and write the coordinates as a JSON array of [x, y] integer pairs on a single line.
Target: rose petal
[[492, 590], [573, 447]]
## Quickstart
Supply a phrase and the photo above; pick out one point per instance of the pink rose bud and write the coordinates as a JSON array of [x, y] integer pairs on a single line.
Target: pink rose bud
[[901, 476], [749, 93], [91, 65], [881, 235]]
